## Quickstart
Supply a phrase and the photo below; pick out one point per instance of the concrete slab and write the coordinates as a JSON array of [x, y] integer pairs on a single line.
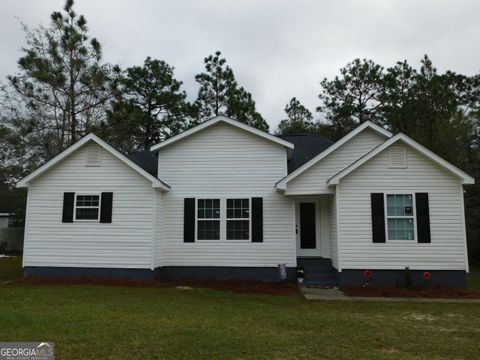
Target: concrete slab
[[335, 294], [323, 294]]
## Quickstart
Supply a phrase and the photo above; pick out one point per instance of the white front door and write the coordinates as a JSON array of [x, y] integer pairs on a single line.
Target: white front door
[[308, 227]]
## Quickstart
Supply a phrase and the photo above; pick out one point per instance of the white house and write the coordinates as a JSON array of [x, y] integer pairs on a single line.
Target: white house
[[226, 200]]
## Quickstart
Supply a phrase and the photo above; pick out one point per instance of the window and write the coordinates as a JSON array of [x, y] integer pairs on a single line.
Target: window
[[238, 219], [208, 219], [400, 217], [87, 207]]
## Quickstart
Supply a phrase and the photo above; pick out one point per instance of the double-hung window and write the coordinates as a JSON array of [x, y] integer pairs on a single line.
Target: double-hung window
[[400, 217], [238, 219], [208, 219], [87, 207]]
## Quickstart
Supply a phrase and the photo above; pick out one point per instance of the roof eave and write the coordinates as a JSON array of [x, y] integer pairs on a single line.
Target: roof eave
[[25, 182], [464, 178], [227, 120], [367, 124]]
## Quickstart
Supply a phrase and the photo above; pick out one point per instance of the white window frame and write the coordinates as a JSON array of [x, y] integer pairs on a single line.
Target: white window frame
[[239, 219], [197, 219], [414, 216], [87, 207], [223, 219]]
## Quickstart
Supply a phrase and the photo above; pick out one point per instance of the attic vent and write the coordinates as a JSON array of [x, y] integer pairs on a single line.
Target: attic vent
[[398, 158], [93, 156]]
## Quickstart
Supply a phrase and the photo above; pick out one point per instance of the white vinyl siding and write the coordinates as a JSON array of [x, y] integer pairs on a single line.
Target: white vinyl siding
[[325, 223], [124, 243], [447, 248], [314, 179], [158, 229], [226, 162], [333, 238]]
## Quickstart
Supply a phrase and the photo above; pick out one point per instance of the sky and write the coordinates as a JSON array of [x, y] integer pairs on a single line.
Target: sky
[[278, 49]]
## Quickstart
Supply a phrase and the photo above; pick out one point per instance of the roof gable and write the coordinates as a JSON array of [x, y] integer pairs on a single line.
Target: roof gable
[[217, 120], [157, 183], [281, 185], [464, 177]]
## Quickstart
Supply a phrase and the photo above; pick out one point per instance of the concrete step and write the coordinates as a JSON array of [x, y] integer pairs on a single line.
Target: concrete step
[[313, 272], [319, 271], [320, 283], [321, 280], [313, 262]]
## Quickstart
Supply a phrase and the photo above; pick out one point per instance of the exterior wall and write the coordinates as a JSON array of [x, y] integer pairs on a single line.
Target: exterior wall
[[447, 250], [325, 204], [333, 231], [440, 278], [223, 162], [158, 218], [124, 243], [314, 180]]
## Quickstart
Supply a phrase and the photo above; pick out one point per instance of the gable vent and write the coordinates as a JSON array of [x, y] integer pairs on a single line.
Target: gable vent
[[398, 158], [93, 156]]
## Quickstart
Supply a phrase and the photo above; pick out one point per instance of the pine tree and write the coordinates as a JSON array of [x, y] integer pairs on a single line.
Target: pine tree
[[352, 97], [62, 89], [299, 119], [219, 94], [150, 107]]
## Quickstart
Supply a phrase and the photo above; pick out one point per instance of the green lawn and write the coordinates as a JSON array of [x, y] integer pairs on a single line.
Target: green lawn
[[109, 322], [10, 268], [474, 278]]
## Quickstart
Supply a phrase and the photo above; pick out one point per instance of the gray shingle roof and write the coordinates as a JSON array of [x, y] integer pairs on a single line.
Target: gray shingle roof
[[147, 160], [307, 146]]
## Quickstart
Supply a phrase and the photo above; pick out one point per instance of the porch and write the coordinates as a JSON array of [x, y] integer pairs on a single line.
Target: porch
[[315, 228]]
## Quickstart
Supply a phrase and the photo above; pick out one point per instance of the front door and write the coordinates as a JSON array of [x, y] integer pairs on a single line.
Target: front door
[[308, 243], [307, 226]]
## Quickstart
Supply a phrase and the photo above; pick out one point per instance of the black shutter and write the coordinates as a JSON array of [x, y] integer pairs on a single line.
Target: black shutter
[[189, 220], [423, 217], [68, 200], [106, 207], [378, 217], [257, 219]]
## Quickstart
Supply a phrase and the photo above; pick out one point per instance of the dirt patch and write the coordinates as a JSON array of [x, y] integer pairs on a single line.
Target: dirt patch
[[243, 286], [380, 291]]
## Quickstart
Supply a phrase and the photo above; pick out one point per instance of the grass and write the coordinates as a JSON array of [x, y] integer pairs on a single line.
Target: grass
[[10, 268], [474, 278], [110, 322]]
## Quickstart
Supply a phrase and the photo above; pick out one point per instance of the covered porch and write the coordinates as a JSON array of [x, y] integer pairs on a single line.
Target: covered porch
[[316, 246]]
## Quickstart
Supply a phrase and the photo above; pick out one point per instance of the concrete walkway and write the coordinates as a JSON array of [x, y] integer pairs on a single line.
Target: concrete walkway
[[335, 294]]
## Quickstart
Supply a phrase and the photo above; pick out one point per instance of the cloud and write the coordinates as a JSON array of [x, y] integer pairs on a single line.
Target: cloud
[[277, 48]]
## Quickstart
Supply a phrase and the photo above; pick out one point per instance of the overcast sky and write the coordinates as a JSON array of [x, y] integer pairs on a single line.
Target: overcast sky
[[277, 48]]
